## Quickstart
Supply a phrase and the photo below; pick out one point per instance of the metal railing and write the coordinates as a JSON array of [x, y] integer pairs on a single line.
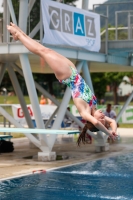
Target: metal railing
[[5, 37], [128, 23], [129, 27]]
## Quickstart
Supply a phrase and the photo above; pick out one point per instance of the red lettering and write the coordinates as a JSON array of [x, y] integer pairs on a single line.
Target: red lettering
[[20, 113], [30, 111]]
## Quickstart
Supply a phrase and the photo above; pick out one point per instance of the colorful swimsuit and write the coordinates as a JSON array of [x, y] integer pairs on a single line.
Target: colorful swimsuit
[[79, 88]]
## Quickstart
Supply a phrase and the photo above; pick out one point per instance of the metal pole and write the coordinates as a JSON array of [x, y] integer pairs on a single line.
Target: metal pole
[[23, 14], [12, 13], [116, 25], [41, 25], [4, 20], [32, 94], [18, 125], [2, 72], [129, 26], [20, 95], [51, 118], [85, 4], [1, 33], [124, 107], [93, 7], [106, 40], [87, 76], [106, 37], [131, 63]]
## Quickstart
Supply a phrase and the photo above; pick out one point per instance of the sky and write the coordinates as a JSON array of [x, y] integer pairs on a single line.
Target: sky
[[91, 2]]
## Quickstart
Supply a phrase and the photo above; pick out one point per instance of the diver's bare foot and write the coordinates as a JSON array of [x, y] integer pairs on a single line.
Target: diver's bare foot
[[13, 31], [17, 28]]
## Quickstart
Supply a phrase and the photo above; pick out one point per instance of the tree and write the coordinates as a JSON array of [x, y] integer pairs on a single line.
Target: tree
[[70, 2], [99, 81], [114, 79]]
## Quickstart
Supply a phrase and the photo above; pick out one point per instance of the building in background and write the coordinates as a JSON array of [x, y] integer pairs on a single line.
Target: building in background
[[125, 88]]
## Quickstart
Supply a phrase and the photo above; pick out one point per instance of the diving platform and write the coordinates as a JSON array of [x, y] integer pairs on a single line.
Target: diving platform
[[114, 56]]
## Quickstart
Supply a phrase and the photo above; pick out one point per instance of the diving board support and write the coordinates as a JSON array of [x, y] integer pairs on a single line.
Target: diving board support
[[11, 9], [129, 99], [101, 142], [13, 121], [23, 17], [51, 118], [87, 76], [33, 98], [18, 91], [42, 156], [2, 71]]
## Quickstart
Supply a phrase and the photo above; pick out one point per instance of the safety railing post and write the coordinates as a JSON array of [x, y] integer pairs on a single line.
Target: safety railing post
[[116, 26]]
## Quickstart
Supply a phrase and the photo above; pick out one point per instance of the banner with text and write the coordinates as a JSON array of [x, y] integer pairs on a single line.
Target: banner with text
[[47, 111], [67, 25]]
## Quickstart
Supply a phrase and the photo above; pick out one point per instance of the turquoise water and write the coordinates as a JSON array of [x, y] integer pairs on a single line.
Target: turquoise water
[[110, 178]]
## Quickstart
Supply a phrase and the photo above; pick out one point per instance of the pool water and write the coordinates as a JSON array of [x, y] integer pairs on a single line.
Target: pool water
[[110, 178]]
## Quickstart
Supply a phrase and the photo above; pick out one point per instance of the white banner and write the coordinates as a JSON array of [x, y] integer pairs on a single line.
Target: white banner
[[67, 25], [46, 112]]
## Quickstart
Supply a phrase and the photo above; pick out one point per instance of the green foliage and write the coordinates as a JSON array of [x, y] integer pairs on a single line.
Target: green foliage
[[70, 2], [99, 81], [122, 34], [116, 77]]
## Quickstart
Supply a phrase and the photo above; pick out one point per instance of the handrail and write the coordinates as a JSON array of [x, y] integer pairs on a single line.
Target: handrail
[[113, 28], [129, 23], [1, 20], [106, 40], [129, 26], [111, 4]]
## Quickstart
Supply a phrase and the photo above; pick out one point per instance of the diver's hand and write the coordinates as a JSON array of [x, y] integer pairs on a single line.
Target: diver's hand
[[112, 136]]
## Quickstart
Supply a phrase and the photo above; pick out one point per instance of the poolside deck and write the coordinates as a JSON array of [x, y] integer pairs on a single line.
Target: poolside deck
[[24, 159]]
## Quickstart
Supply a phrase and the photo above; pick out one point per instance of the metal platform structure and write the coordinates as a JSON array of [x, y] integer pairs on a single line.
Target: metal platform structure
[[113, 56]]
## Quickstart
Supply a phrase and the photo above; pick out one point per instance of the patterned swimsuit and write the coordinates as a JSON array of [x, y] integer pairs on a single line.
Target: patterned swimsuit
[[79, 88]]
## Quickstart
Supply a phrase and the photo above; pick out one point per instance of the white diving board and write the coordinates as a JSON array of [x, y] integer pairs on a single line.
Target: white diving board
[[4, 137], [38, 131]]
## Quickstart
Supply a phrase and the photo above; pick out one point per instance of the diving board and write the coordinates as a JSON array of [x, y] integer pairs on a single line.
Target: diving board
[[4, 137], [38, 131]]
